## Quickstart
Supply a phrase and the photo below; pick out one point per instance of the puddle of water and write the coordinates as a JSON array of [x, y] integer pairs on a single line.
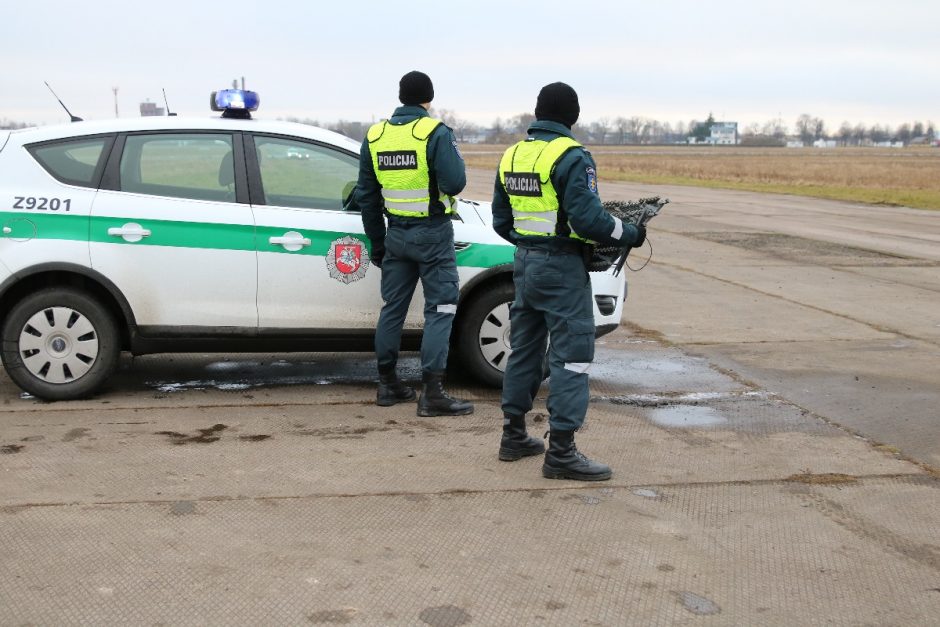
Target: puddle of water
[[686, 416], [645, 492], [698, 604], [631, 369], [169, 387], [228, 366]]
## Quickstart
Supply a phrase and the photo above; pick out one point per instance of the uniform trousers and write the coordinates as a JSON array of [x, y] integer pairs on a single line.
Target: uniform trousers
[[553, 299], [418, 248]]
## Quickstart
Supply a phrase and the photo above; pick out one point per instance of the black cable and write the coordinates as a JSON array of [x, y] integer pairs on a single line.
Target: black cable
[[645, 263]]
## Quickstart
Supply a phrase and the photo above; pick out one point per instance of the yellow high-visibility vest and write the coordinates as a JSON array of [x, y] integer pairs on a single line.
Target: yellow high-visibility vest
[[525, 172], [400, 160]]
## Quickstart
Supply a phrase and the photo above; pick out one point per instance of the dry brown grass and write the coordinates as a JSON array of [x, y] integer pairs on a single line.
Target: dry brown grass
[[907, 177]]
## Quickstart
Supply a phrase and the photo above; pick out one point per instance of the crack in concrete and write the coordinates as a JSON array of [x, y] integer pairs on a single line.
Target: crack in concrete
[[859, 481], [870, 325]]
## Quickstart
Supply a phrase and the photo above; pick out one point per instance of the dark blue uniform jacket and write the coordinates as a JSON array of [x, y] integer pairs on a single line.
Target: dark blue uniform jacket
[[579, 204], [448, 175]]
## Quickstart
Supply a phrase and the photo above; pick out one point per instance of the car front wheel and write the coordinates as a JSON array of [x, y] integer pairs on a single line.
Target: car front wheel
[[60, 344], [483, 341]]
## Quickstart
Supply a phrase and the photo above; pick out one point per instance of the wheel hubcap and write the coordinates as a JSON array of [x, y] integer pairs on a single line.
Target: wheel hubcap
[[494, 337], [58, 345]]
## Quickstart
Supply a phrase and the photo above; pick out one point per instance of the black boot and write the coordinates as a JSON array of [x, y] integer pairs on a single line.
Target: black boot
[[435, 401], [564, 461], [392, 391], [516, 442]]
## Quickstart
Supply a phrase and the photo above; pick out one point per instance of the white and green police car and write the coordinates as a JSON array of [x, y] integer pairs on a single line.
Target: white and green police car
[[227, 234]]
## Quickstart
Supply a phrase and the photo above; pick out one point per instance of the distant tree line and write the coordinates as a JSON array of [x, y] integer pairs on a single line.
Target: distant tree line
[[808, 129], [638, 130], [633, 130], [7, 125]]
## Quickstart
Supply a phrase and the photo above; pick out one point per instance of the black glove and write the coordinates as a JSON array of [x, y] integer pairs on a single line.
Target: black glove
[[378, 252], [640, 236]]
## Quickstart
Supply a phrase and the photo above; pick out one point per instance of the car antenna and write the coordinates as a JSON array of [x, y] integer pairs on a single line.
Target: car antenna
[[166, 104], [75, 118]]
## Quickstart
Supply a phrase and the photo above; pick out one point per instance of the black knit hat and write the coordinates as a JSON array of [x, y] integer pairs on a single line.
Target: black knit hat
[[558, 102], [415, 88]]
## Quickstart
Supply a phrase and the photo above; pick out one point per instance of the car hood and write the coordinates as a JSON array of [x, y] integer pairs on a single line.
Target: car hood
[[4, 137], [475, 211]]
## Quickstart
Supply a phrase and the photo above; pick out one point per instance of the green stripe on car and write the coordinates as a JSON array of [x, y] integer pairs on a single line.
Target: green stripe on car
[[209, 235]]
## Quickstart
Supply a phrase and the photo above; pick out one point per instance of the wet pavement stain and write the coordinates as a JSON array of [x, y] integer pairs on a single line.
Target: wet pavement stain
[[9, 449], [182, 508], [336, 617], [340, 432], [33, 438], [686, 416], [698, 604], [76, 434], [206, 436], [479, 429], [830, 478], [555, 605], [445, 616], [254, 438]]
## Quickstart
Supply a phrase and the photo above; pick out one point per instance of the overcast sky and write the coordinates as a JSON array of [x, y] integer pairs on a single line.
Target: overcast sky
[[866, 61]]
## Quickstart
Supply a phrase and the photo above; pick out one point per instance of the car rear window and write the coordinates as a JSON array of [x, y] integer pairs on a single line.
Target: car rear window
[[199, 166], [73, 161]]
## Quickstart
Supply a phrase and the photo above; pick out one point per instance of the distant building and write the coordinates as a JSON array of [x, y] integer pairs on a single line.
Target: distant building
[[794, 143], [723, 133], [478, 137], [719, 133], [824, 143], [148, 109]]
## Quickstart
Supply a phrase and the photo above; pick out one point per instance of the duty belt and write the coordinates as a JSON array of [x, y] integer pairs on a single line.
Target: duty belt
[[560, 245]]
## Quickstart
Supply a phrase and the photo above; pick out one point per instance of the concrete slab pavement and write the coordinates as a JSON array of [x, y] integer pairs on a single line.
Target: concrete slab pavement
[[301, 503], [270, 490]]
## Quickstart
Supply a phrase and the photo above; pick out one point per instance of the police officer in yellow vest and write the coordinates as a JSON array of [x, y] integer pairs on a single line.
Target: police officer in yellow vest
[[410, 170], [546, 203]]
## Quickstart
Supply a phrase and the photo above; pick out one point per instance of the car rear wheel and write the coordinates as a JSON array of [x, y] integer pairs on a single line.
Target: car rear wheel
[[59, 344]]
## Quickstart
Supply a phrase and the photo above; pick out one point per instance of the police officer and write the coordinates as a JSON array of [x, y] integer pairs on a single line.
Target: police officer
[[410, 169], [546, 203]]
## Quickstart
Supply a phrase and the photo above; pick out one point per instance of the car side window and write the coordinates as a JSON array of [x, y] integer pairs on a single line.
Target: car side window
[[305, 175], [72, 161], [198, 166]]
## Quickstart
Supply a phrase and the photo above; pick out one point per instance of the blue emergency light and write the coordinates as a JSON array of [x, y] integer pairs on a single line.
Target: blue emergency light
[[234, 103]]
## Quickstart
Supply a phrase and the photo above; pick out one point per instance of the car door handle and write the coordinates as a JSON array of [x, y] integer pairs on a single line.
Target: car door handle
[[292, 240], [131, 232]]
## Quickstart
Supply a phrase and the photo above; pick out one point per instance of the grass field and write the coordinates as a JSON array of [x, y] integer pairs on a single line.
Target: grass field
[[907, 177]]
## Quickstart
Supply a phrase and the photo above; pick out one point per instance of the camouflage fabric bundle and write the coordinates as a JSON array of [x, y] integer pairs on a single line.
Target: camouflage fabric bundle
[[637, 212]]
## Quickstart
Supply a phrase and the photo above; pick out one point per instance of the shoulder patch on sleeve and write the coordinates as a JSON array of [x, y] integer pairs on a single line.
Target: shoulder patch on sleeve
[[456, 148], [592, 179]]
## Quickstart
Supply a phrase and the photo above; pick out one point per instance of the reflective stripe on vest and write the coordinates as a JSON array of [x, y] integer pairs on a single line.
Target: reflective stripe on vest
[[400, 161], [525, 173]]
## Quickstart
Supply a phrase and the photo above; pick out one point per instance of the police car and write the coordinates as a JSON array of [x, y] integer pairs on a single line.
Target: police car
[[225, 234]]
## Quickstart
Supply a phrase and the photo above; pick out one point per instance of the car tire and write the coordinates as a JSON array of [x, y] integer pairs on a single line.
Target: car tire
[[60, 344], [483, 334]]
